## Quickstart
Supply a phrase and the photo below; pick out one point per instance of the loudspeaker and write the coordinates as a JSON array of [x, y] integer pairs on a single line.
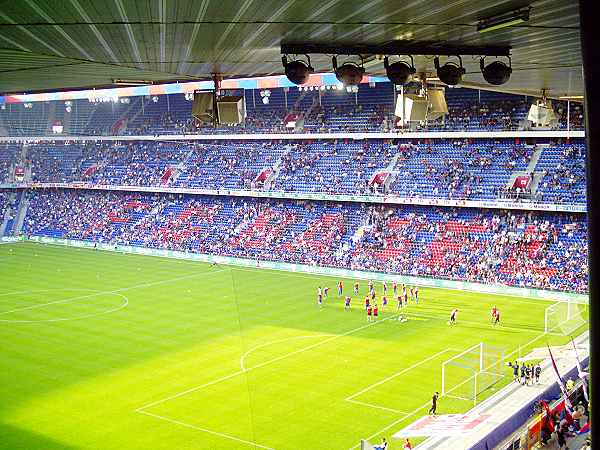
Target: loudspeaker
[[415, 108], [437, 103], [202, 108], [232, 109], [542, 115]]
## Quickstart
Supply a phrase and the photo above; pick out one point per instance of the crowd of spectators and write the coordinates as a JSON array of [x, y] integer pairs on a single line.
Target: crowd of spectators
[[371, 109], [520, 249], [458, 169], [527, 249], [4, 200], [562, 180]]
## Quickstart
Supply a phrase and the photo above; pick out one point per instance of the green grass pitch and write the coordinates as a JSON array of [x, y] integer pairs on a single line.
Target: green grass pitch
[[108, 351]]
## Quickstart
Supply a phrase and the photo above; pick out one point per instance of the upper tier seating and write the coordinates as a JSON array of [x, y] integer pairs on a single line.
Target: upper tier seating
[[439, 169], [329, 110]]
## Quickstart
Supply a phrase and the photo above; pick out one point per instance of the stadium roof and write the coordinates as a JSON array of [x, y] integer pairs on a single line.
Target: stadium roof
[[50, 45]]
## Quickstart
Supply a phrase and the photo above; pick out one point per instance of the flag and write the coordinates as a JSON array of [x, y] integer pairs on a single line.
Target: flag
[[583, 375], [548, 419], [561, 385], [585, 428]]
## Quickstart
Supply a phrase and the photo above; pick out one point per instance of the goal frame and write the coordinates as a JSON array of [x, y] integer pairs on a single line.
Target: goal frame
[[571, 313], [475, 372]]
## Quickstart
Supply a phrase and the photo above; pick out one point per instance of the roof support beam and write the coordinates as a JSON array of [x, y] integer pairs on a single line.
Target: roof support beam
[[397, 48]]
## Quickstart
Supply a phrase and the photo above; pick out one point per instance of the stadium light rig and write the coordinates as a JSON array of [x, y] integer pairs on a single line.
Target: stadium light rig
[[401, 72]]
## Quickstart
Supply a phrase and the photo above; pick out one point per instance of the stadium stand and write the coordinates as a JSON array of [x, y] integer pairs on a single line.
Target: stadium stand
[[328, 110], [527, 249], [7, 160], [444, 169]]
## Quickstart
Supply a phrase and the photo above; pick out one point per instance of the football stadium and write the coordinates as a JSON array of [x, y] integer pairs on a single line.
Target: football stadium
[[262, 224]]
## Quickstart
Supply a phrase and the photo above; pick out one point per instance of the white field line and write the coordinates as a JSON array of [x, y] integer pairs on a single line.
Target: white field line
[[305, 275], [115, 291], [263, 364], [387, 427], [284, 272], [371, 405], [525, 345], [193, 427], [278, 341], [397, 374], [123, 305], [404, 417], [470, 322]]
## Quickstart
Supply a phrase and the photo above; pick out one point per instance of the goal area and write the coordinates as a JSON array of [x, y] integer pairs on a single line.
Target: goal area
[[472, 372], [565, 317]]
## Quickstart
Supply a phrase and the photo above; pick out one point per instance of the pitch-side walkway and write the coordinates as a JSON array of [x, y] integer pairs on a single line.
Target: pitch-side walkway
[[506, 403]]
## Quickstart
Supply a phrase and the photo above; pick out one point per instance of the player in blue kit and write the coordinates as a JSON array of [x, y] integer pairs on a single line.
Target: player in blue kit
[[347, 301]]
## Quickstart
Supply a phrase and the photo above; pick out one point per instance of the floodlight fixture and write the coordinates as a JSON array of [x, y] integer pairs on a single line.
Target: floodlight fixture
[[399, 72], [297, 71], [450, 73], [497, 72], [349, 73]]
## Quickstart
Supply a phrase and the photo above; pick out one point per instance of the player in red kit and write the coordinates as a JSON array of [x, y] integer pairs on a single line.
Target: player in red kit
[[494, 312], [367, 302], [340, 289], [375, 312], [497, 318], [369, 313]]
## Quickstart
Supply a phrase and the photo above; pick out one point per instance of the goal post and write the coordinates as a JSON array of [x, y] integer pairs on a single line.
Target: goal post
[[565, 317], [472, 372]]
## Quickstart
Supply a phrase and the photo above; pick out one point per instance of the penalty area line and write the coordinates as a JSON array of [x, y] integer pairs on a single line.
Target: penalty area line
[[403, 371], [420, 408], [205, 430], [371, 405], [263, 364]]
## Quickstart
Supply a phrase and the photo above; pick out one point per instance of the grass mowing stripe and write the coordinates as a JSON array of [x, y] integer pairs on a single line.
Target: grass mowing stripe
[[258, 366], [115, 291], [403, 371], [56, 378], [193, 427]]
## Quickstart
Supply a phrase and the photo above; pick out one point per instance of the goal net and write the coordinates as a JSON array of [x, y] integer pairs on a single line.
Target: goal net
[[565, 317], [472, 372]]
